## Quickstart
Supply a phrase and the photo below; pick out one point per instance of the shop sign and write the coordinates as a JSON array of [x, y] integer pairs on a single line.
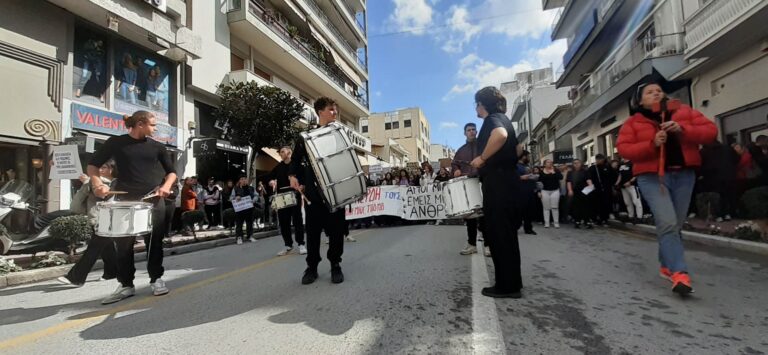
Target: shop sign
[[358, 140], [562, 156], [223, 145], [65, 163], [101, 121], [204, 148]]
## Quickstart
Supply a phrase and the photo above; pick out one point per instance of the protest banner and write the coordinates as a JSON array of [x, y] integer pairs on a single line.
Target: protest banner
[[380, 201], [423, 202], [65, 163], [244, 203], [407, 202]]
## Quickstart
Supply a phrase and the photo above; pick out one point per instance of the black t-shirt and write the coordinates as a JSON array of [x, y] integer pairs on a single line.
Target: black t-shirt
[[506, 157], [280, 173], [625, 170], [142, 164], [600, 176], [551, 182], [578, 178]]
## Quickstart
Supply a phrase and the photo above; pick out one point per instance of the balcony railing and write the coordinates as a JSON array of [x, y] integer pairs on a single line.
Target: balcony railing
[[351, 12], [302, 48], [327, 22], [623, 62], [713, 17]]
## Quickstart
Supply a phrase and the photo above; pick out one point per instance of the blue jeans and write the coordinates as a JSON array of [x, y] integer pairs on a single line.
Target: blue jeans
[[669, 206]]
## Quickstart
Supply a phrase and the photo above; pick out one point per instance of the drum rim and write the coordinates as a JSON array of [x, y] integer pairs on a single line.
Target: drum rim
[[124, 204], [461, 178]]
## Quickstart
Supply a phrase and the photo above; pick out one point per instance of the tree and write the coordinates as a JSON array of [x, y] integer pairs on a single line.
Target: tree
[[258, 116]]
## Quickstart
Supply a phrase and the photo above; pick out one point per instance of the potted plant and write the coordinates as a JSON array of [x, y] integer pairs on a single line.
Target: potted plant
[[73, 229], [293, 31]]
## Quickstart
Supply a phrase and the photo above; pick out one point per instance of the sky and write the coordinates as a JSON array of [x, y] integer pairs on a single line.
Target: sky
[[435, 54]]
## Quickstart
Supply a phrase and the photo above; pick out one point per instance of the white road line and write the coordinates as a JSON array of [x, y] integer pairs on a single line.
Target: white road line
[[486, 330]]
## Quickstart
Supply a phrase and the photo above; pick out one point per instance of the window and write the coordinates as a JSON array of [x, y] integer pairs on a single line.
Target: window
[[407, 123], [388, 125], [365, 129], [142, 81], [396, 125], [236, 63], [90, 79]]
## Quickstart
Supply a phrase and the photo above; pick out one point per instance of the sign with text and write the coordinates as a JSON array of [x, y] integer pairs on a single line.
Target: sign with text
[[407, 202], [242, 204], [66, 163], [204, 148], [95, 120]]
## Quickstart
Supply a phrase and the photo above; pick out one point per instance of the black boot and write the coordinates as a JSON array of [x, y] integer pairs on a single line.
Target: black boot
[[310, 275], [337, 276]]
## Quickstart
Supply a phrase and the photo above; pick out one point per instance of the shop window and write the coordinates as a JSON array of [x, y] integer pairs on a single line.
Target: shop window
[[142, 81], [90, 79]]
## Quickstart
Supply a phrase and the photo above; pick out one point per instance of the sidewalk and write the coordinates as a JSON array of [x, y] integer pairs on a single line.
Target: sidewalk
[[701, 238], [178, 245]]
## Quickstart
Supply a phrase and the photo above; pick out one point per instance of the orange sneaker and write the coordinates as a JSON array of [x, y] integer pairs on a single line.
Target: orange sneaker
[[665, 273], [681, 283]]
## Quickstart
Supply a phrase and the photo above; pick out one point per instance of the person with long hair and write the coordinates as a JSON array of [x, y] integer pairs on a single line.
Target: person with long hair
[[242, 190], [662, 138], [145, 167], [497, 166], [550, 193], [404, 179]]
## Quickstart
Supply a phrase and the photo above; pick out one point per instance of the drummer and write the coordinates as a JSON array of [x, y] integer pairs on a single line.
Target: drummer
[[143, 164], [461, 167], [319, 216], [278, 178]]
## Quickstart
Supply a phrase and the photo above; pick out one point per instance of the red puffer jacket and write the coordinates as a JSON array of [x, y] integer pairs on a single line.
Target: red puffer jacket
[[636, 139]]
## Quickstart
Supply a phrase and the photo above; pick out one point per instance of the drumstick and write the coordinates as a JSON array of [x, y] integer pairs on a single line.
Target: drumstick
[[304, 198]]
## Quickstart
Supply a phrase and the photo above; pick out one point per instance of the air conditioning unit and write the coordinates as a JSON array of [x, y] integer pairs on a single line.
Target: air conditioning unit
[[573, 93]]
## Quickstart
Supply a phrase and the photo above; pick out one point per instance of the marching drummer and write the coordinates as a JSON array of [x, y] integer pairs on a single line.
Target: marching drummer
[[319, 216], [462, 167], [143, 164], [279, 178]]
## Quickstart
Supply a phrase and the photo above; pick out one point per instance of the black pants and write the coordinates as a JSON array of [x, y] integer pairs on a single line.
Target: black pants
[[320, 219], [502, 220], [213, 212], [289, 215], [126, 270], [244, 216], [601, 200], [528, 209], [97, 247], [473, 225]]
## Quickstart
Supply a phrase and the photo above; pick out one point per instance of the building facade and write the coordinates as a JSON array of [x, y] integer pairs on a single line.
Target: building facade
[[613, 46], [440, 151], [72, 68], [408, 127]]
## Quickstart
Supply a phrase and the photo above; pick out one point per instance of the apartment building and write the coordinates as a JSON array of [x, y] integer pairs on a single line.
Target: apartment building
[[408, 127], [440, 151], [612, 46], [72, 68]]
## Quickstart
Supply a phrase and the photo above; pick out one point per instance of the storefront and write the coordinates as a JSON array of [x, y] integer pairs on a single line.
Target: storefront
[[220, 160], [746, 124]]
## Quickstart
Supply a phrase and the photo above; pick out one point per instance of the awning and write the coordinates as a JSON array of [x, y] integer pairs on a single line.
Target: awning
[[272, 153]]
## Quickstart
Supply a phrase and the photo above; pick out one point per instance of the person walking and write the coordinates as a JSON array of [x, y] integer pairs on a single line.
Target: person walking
[[496, 164], [662, 138], [550, 193]]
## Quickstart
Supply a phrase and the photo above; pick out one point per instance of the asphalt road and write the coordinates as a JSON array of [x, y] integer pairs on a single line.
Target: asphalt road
[[407, 290]]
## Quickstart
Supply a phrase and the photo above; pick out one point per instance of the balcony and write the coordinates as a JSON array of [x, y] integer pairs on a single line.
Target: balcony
[[343, 45], [275, 42], [621, 71], [352, 14], [724, 27]]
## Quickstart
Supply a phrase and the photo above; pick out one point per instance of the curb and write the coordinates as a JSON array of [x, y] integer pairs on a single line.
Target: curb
[[37, 275], [700, 238]]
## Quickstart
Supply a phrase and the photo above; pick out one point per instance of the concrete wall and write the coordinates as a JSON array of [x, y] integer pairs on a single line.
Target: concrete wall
[[544, 101], [209, 20]]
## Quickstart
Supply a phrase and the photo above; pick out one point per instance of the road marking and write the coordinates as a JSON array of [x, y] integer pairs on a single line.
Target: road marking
[[487, 337], [99, 315]]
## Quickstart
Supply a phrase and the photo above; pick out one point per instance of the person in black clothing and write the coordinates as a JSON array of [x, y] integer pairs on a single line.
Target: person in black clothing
[[279, 178], [581, 208], [319, 217], [498, 145], [462, 167], [550, 193], [601, 198], [528, 194], [143, 165], [630, 192], [243, 189]]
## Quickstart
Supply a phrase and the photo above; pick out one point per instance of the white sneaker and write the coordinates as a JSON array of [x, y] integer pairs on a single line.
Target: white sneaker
[[487, 251], [557, 225], [239, 241], [302, 249], [159, 288], [546, 226], [65, 281], [120, 294], [692, 215], [285, 251], [252, 240], [727, 217], [350, 239], [468, 250]]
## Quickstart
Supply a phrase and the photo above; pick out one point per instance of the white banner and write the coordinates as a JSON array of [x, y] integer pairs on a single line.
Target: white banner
[[65, 163], [244, 203], [407, 202]]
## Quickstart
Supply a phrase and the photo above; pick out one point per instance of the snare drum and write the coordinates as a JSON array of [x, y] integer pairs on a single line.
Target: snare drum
[[332, 156], [284, 200], [463, 198], [123, 219]]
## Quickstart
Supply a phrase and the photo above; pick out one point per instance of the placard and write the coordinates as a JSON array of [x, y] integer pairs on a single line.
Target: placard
[[407, 202], [243, 204], [65, 163], [423, 202], [380, 200]]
